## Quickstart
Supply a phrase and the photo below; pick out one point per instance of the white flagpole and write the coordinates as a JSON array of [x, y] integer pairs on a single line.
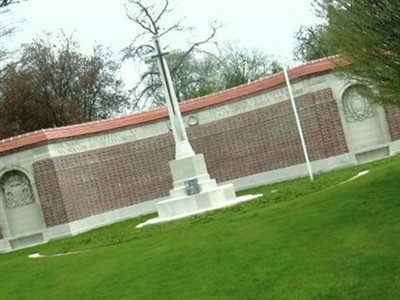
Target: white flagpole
[[296, 115]]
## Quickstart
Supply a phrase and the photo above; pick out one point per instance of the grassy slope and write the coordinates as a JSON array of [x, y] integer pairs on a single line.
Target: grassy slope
[[337, 243]]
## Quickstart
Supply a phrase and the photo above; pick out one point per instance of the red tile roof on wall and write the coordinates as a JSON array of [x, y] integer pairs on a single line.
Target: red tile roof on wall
[[31, 139]]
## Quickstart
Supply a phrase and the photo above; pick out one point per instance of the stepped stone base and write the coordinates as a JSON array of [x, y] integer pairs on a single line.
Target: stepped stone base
[[198, 211], [206, 200], [194, 192]]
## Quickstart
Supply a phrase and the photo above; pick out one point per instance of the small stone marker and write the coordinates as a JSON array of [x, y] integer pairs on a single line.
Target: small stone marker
[[192, 187]]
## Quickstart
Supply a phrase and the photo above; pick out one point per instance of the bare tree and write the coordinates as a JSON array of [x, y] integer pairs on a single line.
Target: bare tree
[[239, 65], [150, 18], [56, 85], [7, 28], [4, 3]]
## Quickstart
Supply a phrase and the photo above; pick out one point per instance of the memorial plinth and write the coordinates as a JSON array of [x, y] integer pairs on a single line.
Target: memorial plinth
[[193, 189]]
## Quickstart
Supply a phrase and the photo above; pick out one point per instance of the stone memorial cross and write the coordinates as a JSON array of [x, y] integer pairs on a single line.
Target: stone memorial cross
[[193, 190], [182, 146]]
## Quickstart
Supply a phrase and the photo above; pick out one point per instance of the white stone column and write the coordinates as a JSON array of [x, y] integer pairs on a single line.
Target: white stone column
[[183, 148]]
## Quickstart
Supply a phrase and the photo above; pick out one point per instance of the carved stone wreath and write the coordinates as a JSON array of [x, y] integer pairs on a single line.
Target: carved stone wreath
[[356, 107], [192, 120], [16, 189]]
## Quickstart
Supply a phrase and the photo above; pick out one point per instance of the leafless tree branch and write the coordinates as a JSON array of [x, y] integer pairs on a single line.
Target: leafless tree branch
[[163, 11], [4, 3], [149, 19], [214, 28]]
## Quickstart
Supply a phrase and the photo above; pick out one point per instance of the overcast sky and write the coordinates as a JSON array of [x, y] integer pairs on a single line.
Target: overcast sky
[[266, 24]]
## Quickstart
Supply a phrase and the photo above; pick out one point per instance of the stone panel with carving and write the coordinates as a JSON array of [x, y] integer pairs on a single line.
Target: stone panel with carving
[[16, 189], [355, 106]]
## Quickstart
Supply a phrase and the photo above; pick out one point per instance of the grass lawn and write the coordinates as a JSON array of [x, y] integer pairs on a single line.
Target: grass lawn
[[301, 240]]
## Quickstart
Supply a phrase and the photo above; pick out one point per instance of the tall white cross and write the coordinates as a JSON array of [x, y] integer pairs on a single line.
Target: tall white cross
[[182, 146], [194, 191]]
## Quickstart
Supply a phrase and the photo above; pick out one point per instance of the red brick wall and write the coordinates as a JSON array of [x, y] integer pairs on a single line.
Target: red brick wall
[[52, 200], [267, 138], [97, 181], [393, 119], [322, 126], [80, 185]]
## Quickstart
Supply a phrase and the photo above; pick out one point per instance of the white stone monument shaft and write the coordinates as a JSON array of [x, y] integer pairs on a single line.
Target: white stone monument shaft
[[182, 146]]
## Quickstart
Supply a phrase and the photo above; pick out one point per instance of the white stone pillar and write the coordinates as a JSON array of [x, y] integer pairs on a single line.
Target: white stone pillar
[[183, 148]]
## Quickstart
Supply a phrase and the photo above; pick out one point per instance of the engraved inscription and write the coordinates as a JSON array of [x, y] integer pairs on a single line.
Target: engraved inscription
[[87, 144], [192, 187], [16, 189], [105, 140]]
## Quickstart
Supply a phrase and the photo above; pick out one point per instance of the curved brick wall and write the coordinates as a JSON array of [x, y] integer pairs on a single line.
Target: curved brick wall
[[94, 168], [76, 186]]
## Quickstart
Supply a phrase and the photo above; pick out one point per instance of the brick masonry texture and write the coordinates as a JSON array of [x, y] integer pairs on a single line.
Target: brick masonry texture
[[49, 191], [393, 119], [81, 185], [102, 180]]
